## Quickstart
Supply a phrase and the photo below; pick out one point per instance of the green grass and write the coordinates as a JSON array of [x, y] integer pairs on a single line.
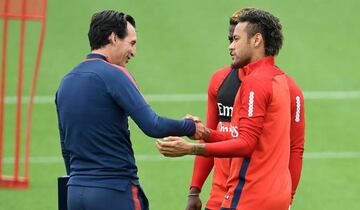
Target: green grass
[[180, 44]]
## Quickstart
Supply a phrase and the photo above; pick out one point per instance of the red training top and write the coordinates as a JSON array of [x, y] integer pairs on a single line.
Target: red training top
[[260, 179]]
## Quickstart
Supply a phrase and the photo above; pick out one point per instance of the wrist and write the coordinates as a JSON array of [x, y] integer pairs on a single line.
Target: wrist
[[194, 190], [197, 149], [206, 135]]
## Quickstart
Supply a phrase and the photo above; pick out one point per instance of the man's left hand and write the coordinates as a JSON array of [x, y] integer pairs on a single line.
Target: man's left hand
[[174, 147]]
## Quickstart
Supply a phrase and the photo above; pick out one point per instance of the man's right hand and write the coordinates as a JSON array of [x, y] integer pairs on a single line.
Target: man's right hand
[[194, 118], [194, 201], [202, 132]]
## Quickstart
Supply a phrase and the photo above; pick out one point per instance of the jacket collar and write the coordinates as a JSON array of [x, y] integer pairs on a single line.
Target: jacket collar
[[97, 56], [266, 61]]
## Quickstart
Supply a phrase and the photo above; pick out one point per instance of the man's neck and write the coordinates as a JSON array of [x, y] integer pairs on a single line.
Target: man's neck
[[100, 51], [257, 56]]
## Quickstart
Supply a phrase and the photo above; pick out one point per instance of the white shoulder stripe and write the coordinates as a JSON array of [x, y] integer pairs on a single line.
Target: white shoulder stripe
[[251, 104], [298, 108]]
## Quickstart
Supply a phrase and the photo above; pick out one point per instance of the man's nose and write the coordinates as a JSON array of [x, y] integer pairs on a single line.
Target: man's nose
[[231, 46], [133, 52]]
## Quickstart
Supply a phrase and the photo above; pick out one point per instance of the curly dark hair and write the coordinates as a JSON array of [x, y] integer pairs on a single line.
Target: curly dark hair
[[234, 19], [104, 23], [267, 25]]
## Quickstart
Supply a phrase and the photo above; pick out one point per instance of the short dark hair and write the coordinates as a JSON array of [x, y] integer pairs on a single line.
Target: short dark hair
[[104, 23], [267, 25]]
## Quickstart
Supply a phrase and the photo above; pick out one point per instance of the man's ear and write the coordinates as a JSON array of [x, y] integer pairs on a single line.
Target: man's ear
[[257, 40], [112, 38]]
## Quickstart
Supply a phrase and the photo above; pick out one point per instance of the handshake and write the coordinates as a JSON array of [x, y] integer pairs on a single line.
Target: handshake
[[173, 146], [202, 132]]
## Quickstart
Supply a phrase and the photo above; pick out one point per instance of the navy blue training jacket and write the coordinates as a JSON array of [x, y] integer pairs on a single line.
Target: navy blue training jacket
[[93, 104]]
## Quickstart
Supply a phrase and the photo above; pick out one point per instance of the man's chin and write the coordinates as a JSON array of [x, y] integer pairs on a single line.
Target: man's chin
[[123, 64]]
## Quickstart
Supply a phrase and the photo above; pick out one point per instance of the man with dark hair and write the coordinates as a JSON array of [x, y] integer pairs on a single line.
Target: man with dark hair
[[93, 104], [268, 112], [223, 87]]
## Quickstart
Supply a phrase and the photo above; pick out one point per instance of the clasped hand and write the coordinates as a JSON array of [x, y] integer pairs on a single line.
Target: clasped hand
[[175, 146], [202, 132]]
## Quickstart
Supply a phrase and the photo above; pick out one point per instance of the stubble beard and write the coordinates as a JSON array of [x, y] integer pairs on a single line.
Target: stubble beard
[[240, 63]]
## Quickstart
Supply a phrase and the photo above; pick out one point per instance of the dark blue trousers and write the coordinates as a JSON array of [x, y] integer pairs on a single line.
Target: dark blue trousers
[[94, 198]]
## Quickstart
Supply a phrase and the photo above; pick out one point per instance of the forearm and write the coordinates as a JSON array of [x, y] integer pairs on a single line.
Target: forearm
[[243, 146], [66, 157], [204, 165], [217, 136], [295, 167], [158, 127], [239, 147], [202, 169], [129, 98], [296, 154], [64, 152], [230, 148]]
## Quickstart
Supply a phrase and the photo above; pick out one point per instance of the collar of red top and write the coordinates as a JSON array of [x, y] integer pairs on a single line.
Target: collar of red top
[[98, 56], [269, 60]]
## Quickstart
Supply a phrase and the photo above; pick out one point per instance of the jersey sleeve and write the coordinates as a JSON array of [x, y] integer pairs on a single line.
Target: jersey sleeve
[[212, 110], [203, 165], [297, 135], [249, 112], [126, 94], [65, 153]]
